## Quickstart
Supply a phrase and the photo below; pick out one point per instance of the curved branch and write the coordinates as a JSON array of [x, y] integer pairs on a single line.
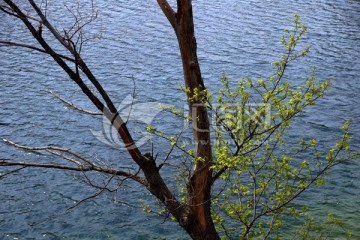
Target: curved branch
[[102, 188], [5, 10], [169, 12], [11, 172], [82, 164], [111, 112], [73, 105], [14, 44], [82, 168], [50, 149], [46, 23], [6, 162], [80, 62], [152, 179]]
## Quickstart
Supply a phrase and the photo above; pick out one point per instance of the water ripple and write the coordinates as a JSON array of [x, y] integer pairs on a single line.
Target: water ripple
[[240, 38]]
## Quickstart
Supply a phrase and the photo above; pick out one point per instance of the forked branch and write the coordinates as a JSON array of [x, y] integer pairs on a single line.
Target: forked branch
[[78, 162], [168, 12]]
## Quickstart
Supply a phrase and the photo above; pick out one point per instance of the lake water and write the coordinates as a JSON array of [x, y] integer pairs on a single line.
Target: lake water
[[240, 38]]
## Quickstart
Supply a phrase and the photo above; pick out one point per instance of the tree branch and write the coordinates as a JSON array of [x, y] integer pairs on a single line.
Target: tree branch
[[46, 23], [14, 44], [152, 180], [6, 162], [82, 164], [111, 112], [73, 105], [11, 172], [81, 63], [169, 12], [102, 189]]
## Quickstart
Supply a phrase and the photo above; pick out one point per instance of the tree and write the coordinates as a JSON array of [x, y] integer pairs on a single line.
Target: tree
[[257, 183]]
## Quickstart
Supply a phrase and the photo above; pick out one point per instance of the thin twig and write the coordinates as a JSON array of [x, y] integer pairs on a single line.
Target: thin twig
[[48, 148], [73, 105], [90, 166], [11, 172], [102, 189], [15, 44], [171, 149]]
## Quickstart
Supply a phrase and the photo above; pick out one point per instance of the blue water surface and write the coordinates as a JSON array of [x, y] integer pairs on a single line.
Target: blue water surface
[[133, 42]]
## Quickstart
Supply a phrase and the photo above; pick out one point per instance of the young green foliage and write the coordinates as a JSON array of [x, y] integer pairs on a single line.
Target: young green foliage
[[257, 175], [262, 176]]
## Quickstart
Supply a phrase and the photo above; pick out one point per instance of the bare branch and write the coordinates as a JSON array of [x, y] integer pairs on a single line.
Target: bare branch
[[14, 44], [168, 11], [80, 20], [46, 23], [66, 158], [10, 172], [56, 56], [4, 162], [87, 164], [73, 105], [50, 149], [81, 63], [8, 11], [85, 199], [102, 189], [111, 112], [11, 12]]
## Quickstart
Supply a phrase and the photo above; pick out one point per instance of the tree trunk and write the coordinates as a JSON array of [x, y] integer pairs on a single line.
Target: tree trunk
[[199, 224], [195, 215]]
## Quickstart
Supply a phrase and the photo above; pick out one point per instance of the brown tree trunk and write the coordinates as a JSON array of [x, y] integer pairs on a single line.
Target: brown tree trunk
[[195, 215], [200, 224]]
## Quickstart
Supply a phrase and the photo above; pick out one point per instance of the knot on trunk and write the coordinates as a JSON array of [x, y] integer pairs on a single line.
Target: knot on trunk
[[185, 217]]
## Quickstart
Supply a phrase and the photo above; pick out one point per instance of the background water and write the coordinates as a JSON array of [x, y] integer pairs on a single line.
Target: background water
[[241, 38]]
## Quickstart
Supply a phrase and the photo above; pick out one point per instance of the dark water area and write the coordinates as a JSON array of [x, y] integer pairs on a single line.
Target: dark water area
[[239, 38]]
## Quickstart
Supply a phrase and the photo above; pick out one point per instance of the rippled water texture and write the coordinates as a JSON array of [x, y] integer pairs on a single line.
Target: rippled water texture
[[241, 38]]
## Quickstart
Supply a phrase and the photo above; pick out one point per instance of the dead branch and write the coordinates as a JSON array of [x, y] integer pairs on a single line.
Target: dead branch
[[11, 12], [133, 100], [6, 162], [102, 189], [46, 23], [81, 21], [72, 105], [82, 164], [81, 63], [152, 179], [85, 199], [51, 150], [11, 172], [109, 109], [14, 44]]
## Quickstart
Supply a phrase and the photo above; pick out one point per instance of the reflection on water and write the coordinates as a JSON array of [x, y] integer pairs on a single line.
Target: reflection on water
[[240, 38]]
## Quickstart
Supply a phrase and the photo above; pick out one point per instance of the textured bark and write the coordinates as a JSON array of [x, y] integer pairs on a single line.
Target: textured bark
[[195, 215], [200, 224]]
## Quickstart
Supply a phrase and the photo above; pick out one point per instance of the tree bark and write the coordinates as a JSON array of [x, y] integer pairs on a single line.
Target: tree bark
[[200, 224], [195, 215]]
